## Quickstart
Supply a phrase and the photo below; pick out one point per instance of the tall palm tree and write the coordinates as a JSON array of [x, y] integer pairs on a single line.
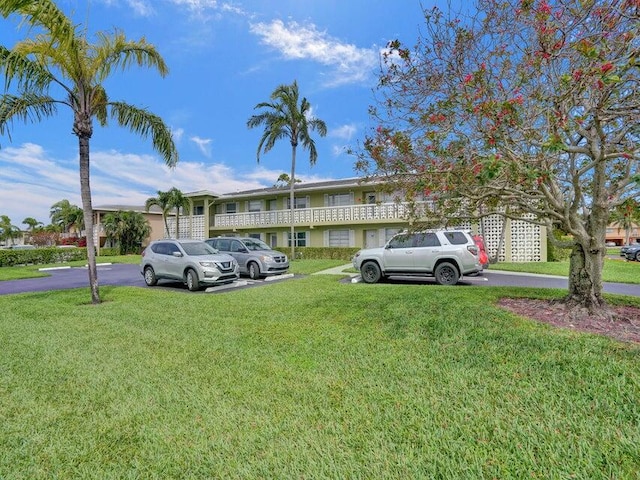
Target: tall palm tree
[[61, 58], [178, 201], [162, 201], [282, 117]]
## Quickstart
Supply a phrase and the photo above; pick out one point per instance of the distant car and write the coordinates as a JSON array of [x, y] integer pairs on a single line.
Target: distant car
[[255, 258], [22, 247], [610, 244], [632, 252], [446, 255], [624, 248], [192, 262]]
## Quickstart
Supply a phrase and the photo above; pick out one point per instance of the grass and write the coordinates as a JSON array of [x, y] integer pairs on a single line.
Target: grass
[[614, 270], [309, 378]]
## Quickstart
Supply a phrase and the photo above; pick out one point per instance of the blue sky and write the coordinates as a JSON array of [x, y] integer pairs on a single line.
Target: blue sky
[[224, 58]]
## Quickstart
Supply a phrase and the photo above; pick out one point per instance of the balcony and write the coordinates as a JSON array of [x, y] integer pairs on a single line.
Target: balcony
[[315, 216]]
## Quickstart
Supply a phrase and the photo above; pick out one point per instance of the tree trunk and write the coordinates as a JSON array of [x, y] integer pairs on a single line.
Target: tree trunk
[[85, 193], [585, 278], [292, 201]]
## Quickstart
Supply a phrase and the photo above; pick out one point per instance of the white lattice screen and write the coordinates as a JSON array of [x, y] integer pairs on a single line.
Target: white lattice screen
[[522, 240], [190, 227]]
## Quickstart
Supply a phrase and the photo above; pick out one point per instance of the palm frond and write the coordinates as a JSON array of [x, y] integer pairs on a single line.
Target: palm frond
[[116, 52], [145, 123], [28, 75], [29, 107], [41, 13]]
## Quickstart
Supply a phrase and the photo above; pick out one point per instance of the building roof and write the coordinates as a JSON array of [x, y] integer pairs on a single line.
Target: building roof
[[300, 187], [154, 210]]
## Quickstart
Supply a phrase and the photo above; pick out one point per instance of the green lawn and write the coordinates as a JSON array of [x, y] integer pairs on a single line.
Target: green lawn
[[614, 270], [309, 378]]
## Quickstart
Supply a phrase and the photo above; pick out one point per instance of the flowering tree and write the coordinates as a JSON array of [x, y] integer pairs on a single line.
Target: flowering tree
[[529, 108]]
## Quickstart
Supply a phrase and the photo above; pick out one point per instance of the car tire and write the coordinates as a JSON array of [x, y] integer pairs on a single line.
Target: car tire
[[370, 272], [150, 277], [254, 270], [638, 256], [192, 280], [446, 274]]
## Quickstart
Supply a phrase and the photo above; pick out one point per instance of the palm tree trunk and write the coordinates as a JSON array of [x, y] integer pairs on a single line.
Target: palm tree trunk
[[292, 202], [85, 193]]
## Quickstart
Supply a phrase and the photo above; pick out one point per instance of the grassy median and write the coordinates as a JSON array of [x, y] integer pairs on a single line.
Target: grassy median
[[309, 378]]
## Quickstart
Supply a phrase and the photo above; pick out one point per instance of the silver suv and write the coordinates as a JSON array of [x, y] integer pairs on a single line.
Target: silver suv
[[191, 261], [255, 258], [446, 255]]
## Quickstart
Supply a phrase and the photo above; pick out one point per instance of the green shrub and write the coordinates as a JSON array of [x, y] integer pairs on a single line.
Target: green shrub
[[556, 254], [39, 256], [323, 253], [109, 252]]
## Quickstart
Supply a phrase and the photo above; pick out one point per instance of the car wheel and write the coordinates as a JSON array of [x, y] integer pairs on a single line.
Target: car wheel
[[192, 280], [446, 274], [370, 272], [150, 277], [638, 256], [254, 271]]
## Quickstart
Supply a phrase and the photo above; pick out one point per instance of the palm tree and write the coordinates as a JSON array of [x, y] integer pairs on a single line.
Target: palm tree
[[284, 118], [178, 201], [162, 201], [8, 231], [128, 229], [61, 58], [66, 215], [31, 223]]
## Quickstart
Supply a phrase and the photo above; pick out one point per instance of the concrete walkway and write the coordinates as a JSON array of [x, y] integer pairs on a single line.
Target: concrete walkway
[[338, 271]]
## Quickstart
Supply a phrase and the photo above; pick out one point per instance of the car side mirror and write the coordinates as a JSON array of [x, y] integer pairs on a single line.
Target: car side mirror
[[177, 254]]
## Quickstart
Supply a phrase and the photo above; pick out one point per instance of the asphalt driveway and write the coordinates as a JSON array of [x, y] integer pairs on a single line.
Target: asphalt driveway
[[129, 275]]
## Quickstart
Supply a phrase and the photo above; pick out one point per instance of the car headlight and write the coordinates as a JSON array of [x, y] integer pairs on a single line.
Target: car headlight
[[266, 258], [208, 264]]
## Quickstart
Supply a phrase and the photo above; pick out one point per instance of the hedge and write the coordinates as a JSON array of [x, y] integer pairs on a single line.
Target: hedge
[[39, 256], [318, 253]]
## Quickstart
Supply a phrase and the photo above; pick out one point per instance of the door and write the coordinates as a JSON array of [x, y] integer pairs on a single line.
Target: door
[[371, 239], [426, 248], [240, 253], [399, 254]]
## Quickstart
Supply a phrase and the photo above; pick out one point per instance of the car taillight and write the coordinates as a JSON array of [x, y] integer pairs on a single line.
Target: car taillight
[[473, 249]]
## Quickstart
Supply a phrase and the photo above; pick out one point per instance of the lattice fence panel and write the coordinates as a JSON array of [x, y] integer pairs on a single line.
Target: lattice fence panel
[[526, 242], [492, 229]]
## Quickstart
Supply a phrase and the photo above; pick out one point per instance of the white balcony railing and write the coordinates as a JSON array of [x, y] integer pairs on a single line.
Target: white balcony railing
[[314, 216]]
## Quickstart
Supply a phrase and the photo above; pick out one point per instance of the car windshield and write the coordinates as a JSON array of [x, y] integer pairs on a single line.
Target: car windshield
[[255, 244], [197, 248]]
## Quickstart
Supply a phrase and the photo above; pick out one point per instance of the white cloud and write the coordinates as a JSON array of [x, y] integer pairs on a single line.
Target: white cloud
[[294, 41], [345, 132], [203, 144]]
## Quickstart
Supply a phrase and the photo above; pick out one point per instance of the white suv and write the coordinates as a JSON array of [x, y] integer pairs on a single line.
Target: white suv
[[193, 262], [446, 255]]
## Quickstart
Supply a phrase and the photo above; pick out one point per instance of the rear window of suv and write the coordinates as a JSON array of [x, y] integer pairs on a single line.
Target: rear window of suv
[[456, 238]]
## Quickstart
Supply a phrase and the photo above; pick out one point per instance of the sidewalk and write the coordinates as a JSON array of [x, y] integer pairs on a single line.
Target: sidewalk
[[338, 271]]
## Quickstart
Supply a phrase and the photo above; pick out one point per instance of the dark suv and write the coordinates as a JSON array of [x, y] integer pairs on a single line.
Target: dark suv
[[255, 258], [446, 255], [191, 261]]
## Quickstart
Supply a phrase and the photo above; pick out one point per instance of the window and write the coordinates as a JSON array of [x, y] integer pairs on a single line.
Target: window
[[389, 233], [456, 238], [426, 240], [255, 235], [254, 205], [231, 207], [339, 200], [338, 238], [298, 202], [198, 210], [370, 197], [301, 239], [401, 241]]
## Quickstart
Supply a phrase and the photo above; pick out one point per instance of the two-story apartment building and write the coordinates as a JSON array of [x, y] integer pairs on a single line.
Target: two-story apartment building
[[340, 213]]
